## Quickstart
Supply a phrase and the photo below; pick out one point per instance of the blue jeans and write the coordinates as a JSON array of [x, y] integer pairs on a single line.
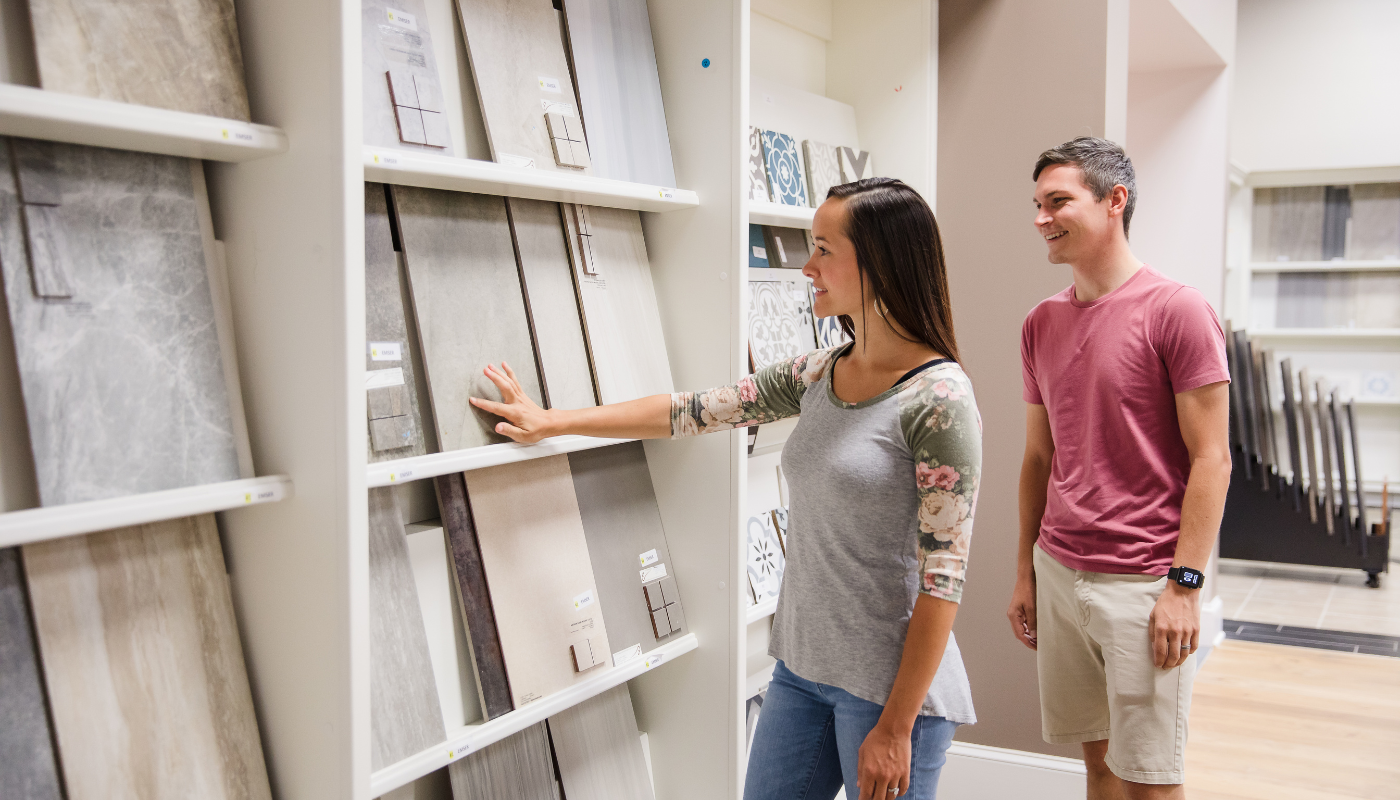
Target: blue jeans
[[809, 736]]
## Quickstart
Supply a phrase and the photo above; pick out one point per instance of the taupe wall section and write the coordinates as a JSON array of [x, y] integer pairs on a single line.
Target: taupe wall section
[[1014, 79]]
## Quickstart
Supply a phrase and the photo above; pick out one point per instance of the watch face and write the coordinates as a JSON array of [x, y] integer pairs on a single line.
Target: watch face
[[1190, 577]]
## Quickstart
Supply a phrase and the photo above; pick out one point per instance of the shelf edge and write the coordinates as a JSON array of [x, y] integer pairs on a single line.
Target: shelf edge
[[763, 610], [761, 213], [416, 468]]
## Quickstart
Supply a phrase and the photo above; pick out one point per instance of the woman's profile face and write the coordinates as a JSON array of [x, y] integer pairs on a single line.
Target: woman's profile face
[[832, 267]]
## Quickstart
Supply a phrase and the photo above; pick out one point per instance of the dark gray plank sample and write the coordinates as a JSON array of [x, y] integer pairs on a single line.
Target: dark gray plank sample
[[1335, 420], [1375, 221], [27, 759], [1305, 409], [621, 521], [405, 717], [1325, 439], [123, 383], [1356, 471], [1336, 215], [599, 749], [787, 247], [519, 767], [474, 595], [552, 297], [387, 308], [1290, 422], [468, 304]]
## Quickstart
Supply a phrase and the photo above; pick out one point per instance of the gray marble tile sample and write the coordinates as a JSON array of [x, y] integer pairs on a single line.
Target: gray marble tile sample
[[553, 303], [405, 717], [780, 321], [390, 434], [1375, 222], [517, 58], [756, 168], [36, 170], [1288, 223], [567, 137], [519, 767], [27, 759], [387, 401], [399, 76], [622, 523], [468, 304], [619, 90], [787, 247], [183, 56], [48, 253], [823, 169], [855, 164], [143, 664], [388, 309], [620, 311], [124, 383], [599, 749]]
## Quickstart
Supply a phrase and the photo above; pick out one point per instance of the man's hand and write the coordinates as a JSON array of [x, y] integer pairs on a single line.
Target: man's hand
[[1175, 625], [1022, 611], [883, 762]]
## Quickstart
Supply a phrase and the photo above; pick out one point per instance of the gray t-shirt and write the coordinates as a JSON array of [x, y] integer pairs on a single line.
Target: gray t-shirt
[[882, 499]]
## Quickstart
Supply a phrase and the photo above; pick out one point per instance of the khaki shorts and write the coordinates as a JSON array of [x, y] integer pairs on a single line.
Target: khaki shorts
[[1097, 679]]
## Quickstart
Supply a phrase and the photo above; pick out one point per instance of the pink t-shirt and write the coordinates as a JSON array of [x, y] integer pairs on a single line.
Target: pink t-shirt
[[1107, 373]]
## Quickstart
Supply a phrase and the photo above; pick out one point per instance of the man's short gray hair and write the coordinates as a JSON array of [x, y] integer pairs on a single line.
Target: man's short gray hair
[[1103, 165]]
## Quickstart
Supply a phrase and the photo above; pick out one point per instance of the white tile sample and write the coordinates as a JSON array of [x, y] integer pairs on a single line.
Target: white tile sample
[[388, 308], [27, 759], [399, 77], [756, 168], [447, 642], [124, 383], [519, 767], [780, 321], [823, 169], [619, 90], [855, 164], [763, 557], [828, 329], [599, 750]]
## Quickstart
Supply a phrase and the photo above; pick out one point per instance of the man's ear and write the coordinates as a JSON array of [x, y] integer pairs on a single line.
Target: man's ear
[[1117, 200]]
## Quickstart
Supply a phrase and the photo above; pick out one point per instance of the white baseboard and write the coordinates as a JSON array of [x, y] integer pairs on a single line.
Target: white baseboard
[[978, 772]]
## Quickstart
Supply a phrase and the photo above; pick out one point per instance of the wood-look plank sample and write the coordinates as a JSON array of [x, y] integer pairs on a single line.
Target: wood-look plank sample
[[387, 309], [1288, 223], [539, 572], [1375, 222], [599, 749], [468, 305], [552, 300], [26, 739], [1325, 439], [519, 767], [1305, 408], [787, 247], [143, 664], [823, 169], [622, 523], [399, 70], [405, 716], [517, 58], [182, 55], [619, 90], [447, 641], [780, 321], [620, 311], [124, 383]]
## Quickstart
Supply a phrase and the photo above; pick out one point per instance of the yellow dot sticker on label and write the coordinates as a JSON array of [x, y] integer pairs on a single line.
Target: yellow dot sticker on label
[[247, 498]]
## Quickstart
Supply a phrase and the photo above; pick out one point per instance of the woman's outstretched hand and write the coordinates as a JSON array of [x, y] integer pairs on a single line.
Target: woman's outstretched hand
[[524, 421]]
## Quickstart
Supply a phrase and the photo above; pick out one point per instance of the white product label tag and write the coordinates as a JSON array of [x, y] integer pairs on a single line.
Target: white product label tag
[[383, 158], [556, 107], [379, 378], [667, 194], [524, 162], [655, 573], [403, 19], [759, 252], [401, 475], [385, 351], [653, 660], [782, 257], [648, 558], [584, 600], [630, 654], [550, 85]]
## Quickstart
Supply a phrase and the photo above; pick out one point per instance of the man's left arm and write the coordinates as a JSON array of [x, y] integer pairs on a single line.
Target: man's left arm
[[1204, 417]]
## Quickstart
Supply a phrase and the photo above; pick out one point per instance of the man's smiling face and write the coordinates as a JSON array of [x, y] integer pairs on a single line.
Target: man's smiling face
[[1068, 217]]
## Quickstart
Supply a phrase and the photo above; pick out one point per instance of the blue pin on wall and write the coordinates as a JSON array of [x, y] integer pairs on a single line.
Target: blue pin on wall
[[705, 62]]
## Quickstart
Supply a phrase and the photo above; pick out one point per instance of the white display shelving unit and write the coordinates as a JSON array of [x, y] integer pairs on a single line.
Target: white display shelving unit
[[761, 213]]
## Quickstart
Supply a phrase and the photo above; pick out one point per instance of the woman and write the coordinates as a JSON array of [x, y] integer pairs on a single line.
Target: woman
[[883, 469]]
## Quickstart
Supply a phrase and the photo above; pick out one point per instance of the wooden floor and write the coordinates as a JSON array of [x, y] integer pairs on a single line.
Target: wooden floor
[[1279, 722]]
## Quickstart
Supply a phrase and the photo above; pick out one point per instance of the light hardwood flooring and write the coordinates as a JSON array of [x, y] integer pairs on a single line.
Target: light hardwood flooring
[[1306, 597], [1278, 722]]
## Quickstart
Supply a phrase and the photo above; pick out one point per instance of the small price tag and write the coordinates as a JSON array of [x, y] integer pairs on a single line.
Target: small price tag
[[379, 378], [523, 162], [759, 252], [648, 558], [584, 600], [655, 573], [399, 476], [403, 19], [556, 107], [550, 85], [667, 194], [653, 660], [624, 656], [385, 351]]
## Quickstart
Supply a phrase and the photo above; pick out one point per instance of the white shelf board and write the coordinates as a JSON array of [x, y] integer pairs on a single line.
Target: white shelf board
[[402, 470], [1325, 333], [410, 168], [755, 682], [763, 610], [38, 114], [39, 524], [1325, 266], [471, 738], [761, 213], [779, 274]]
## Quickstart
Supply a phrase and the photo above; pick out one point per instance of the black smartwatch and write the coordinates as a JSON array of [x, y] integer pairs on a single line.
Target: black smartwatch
[[1190, 578]]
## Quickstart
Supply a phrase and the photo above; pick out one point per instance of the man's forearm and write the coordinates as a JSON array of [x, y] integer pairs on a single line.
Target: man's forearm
[[1201, 510], [1035, 481]]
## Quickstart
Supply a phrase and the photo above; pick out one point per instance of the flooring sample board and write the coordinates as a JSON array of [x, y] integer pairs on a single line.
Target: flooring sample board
[[829, 332], [403, 97], [1335, 220], [447, 641], [786, 183], [539, 572], [764, 558], [622, 524], [124, 383], [143, 664], [780, 321], [474, 597], [388, 345], [26, 739], [757, 168], [758, 247], [599, 749], [1375, 222], [181, 55], [405, 716], [775, 106], [517, 58], [1325, 440], [1309, 442], [787, 247], [823, 169], [519, 767], [468, 304], [620, 311], [552, 300], [1288, 223], [855, 164], [619, 90]]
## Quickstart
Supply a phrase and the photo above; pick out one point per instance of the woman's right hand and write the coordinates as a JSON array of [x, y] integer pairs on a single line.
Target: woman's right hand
[[524, 421]]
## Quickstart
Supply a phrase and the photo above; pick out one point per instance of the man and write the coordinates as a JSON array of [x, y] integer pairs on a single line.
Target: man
[[1123, 483]]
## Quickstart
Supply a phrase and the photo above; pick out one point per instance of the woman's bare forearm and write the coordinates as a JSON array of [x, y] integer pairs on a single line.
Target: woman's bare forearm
[[644, 418], [924, 643]]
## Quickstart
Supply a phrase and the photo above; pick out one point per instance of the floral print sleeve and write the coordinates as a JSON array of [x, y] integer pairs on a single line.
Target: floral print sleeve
[[941, 425], [773, 393]]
